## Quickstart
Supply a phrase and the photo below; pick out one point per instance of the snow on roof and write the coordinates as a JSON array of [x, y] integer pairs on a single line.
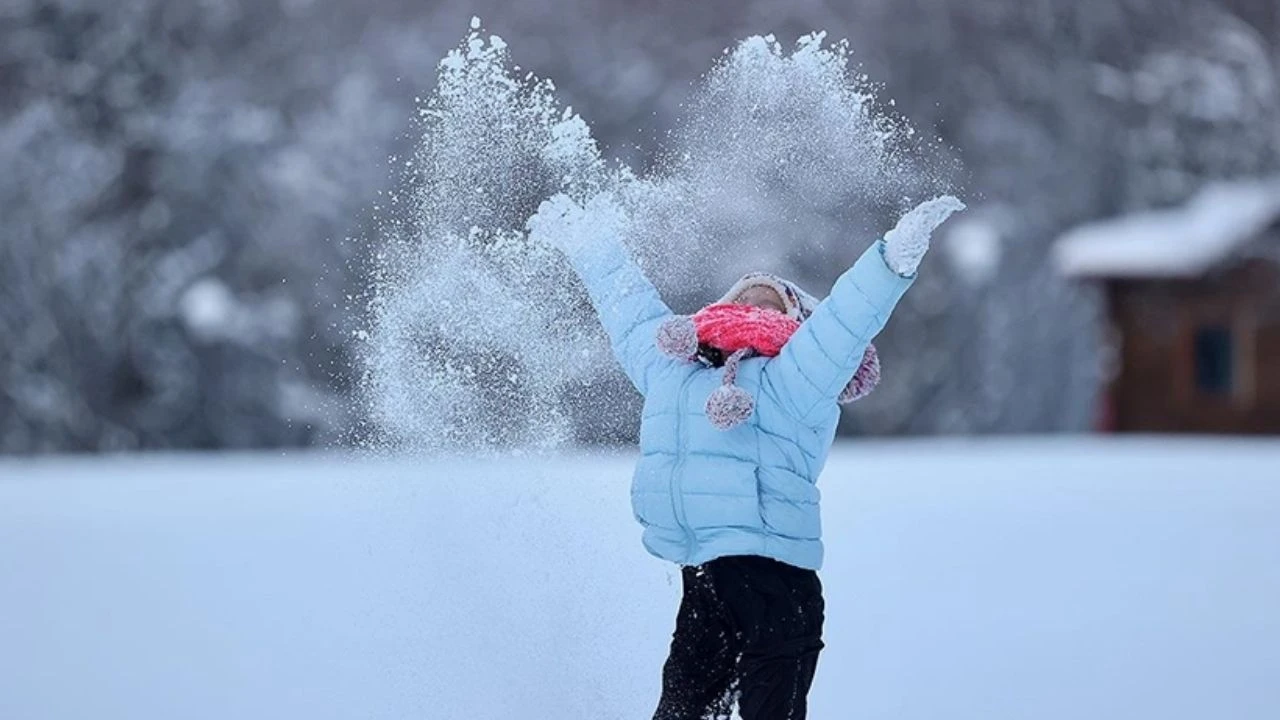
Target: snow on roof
[[1178, 242]]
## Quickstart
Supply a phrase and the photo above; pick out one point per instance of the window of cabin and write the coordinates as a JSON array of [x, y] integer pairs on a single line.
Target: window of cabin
[[1214, 357]]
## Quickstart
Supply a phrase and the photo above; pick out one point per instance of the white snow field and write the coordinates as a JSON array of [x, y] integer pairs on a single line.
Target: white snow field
[[1079, 579]]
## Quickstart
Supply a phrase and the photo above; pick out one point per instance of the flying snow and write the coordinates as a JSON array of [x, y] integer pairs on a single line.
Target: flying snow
[[480, 339]]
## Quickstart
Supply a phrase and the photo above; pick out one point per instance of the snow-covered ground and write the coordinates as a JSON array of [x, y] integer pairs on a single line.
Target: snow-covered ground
[[1073, 579]]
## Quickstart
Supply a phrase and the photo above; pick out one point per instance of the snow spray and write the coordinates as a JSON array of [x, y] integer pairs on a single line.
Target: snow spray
[[482, 341]]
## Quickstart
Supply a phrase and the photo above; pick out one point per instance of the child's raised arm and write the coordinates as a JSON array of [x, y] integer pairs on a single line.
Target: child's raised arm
[[628, 305], [821, 357]]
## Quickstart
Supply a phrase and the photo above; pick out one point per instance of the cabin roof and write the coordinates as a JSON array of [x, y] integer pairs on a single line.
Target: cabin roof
[[1182, 241]]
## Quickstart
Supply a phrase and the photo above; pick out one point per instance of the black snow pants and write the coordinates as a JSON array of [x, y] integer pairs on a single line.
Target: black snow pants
[[749, 630]]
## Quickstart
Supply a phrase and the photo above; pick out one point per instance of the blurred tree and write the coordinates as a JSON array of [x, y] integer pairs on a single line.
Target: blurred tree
[[177, 178]]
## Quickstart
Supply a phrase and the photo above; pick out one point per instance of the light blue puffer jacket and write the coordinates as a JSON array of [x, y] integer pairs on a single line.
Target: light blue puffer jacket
[[702, 493]]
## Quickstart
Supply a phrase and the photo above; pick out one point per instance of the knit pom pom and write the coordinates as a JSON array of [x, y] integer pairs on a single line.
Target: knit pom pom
[[729, 406], [865, 380], [678, 337]]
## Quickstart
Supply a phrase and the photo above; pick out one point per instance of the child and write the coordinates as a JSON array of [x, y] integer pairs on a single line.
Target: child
[[740, 409]]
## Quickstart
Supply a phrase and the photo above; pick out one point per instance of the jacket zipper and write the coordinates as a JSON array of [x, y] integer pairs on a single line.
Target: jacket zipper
[[677, 498]]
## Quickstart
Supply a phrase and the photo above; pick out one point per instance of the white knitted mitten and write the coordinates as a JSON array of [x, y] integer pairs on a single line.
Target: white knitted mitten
[[906, 244], [574, 229]]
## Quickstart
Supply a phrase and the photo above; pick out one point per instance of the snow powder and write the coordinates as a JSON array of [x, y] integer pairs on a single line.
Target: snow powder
[[482, 340]]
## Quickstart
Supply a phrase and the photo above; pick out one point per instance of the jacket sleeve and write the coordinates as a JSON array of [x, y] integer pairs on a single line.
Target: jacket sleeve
[[823, 355], [628, 305]]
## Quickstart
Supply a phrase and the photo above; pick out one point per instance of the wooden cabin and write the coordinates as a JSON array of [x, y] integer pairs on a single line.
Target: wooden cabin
[[1193, 297]]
